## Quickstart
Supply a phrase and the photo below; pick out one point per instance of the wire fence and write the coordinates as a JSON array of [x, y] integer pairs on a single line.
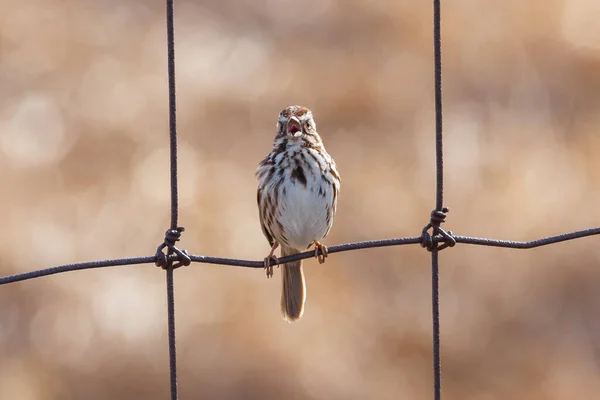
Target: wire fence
[[435, 241]]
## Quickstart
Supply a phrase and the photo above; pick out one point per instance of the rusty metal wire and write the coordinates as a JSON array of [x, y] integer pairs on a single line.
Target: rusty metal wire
[[439, 214], [175, 257], [510, 244], [75, 267], [435, 241]]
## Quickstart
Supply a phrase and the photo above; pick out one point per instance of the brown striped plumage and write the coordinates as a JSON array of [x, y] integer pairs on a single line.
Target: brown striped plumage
[[298, 186]]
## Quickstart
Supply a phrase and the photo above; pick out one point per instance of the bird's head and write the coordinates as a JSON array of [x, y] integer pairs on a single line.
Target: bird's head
[[296, 125]]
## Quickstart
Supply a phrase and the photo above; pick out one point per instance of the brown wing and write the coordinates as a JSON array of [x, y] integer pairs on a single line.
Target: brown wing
[[335, 184], [262, 215]]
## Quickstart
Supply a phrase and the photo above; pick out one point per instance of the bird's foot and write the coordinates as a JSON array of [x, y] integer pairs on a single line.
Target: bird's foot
[[269, 261], [320, 251]]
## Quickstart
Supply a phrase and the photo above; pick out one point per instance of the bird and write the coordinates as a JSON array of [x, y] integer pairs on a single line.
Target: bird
[[298, 187]]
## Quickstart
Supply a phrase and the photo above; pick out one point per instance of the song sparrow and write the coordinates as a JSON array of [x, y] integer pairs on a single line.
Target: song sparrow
[[298, 185]]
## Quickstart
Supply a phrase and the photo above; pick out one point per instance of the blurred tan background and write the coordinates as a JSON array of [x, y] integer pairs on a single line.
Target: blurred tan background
[[84, 169]]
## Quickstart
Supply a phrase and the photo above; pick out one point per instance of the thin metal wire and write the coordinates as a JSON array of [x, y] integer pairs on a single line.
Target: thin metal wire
[[174, 195], [439, 202], [75, 267], [402, 241], [171, 318], [510, 244], [172, 113], [439, 148], [307, 254], [435, 312]]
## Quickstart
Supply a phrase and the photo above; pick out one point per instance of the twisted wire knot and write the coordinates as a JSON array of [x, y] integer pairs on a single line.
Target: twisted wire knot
[[174, 258], [440, 238]]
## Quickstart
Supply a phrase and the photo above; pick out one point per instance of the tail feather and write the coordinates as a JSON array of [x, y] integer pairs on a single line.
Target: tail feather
[[293, 293]]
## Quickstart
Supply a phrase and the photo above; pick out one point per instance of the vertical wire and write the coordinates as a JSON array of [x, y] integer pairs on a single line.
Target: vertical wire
[[439, 156], [172, 113], [439, 149], [174, 195], [172, 349], [435, 309]]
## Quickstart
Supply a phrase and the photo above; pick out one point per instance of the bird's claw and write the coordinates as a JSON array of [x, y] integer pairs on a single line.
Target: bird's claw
[[269, 261], [320, 252]]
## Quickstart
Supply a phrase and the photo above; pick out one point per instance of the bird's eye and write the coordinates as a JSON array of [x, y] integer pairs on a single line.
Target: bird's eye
[[308, 125]]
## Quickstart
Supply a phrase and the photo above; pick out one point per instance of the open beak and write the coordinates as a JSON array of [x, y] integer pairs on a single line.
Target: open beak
[[293, 127]]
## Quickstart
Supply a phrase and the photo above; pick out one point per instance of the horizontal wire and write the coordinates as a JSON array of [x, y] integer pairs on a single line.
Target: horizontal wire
[[75, 267], [511, 244], [307, 254], [401, 241]]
